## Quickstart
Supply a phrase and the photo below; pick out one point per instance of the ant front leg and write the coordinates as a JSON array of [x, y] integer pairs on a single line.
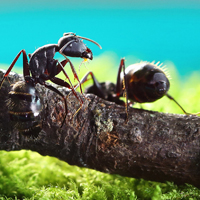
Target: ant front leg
[[60, 65], [60, 82], [55, 68], [75, 74], [122, 85], [65, 84], [25, 66]]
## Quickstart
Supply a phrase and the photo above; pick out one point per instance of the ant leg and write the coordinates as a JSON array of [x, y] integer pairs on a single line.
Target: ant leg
[[171, 98], [58, 66], [65, 84], [75, 74], [61, 81], [59, 93], [124, 84], [25, 66], [97, 87], [55, 67]]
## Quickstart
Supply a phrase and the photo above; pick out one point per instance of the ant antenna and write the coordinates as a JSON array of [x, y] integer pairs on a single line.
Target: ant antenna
[[90, 41], [70, 34], [170, 97]]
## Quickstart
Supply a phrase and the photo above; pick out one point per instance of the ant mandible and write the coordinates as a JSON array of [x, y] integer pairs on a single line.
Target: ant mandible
[[141, 82], [43, 66]]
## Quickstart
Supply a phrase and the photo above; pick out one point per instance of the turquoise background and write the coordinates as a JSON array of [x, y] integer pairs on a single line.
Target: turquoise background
[[147, 30]]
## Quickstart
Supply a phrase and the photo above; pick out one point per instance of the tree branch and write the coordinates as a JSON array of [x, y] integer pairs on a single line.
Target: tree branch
[[153, 146]]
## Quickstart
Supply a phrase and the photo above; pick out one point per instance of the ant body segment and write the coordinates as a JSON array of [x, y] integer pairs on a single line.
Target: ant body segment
[[141, 82], [25, 107], [42, 66]]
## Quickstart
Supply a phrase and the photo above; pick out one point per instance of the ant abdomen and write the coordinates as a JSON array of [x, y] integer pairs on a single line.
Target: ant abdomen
[[25, 107]]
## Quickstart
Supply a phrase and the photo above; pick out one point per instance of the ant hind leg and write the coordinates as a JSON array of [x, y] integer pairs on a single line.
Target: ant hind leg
[[25, 66]]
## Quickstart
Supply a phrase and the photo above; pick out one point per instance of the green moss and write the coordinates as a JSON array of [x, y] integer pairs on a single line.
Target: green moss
[[27, 175]]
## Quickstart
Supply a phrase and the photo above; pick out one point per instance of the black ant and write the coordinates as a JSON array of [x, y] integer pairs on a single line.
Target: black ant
[[141, 82], [25, 107], [43, 66]]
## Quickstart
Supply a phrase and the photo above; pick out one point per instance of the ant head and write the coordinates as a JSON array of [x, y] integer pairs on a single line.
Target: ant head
[[157, 83], [147, 82], [160, 83], [72, 45]]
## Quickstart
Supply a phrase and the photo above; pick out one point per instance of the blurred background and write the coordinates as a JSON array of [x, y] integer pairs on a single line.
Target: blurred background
[[165, 31], [158, 30]]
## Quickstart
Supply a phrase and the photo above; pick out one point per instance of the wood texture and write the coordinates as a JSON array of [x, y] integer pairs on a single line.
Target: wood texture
[[153, 146]]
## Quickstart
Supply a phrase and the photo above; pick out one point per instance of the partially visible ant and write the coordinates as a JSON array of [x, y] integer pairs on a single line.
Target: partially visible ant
[[141, 82], [43, 66], [25, 107]]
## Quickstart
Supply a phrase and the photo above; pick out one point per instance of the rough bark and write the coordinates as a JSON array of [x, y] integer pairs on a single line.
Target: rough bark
[[151, 145]]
